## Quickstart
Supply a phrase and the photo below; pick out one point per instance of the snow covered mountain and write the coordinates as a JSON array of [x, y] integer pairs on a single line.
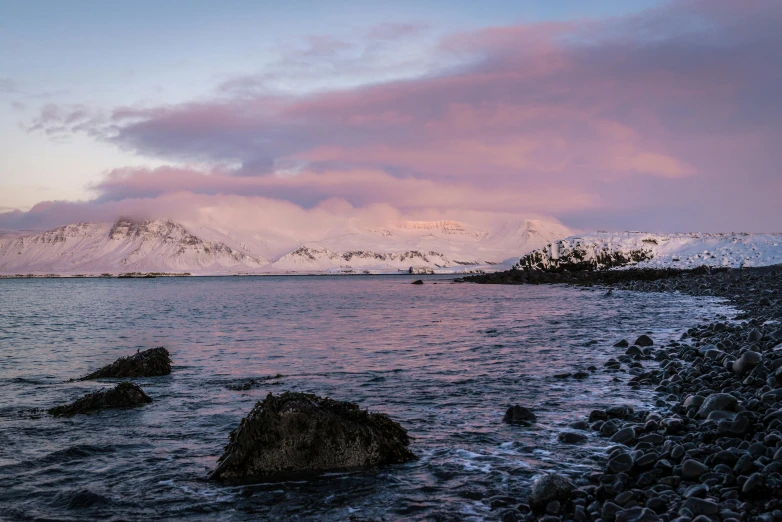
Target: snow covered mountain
[[165, 246], [602, 250], [124, 246]]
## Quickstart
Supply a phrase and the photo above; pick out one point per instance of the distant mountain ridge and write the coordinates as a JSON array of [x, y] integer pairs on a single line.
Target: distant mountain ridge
[[128, 245], [606, 250]]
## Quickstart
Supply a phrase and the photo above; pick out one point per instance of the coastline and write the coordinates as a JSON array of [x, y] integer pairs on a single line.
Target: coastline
[[716, 454]]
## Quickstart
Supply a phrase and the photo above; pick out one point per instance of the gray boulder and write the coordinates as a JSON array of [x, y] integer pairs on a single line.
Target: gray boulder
[[548, 488], [302, 432], [746, 362], [717, 402]]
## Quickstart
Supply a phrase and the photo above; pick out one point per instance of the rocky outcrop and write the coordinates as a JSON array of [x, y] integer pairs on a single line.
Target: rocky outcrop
[[302, 432], [124, 395], [149, 363]]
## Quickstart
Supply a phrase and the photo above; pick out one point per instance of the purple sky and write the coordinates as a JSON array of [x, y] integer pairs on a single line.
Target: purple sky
[[664, 119]]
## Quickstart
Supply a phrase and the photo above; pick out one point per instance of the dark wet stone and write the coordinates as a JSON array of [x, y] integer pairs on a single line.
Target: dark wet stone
[[633, 350], [699, 506], [149, 363], [579, 425], [124, 395], [609, 428], [619, 412], [637, 514], [644, 341], [746, 362], [249, 384], [622, 462], [693, 401], [647, 460], [692, 469], [698, 491], [417, 282], [755, 487], [548, 488], [755, 336], [622, 344], [609, 511], [736, 427], [303, 432], [657, 504], [624, 436], [553, 507], [519, 415], [569, 437], [717, 402]]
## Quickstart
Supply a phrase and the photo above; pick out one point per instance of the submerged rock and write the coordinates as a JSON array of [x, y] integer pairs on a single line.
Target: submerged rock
[[519, 415], [304, 432], [417, 282], [149, 363], [124, 395]]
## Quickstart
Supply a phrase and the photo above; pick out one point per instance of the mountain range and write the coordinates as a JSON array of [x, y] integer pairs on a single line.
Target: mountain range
[[165, 246]]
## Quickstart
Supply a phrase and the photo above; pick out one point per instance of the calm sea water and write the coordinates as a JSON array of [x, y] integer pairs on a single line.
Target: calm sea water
[[445, 360]]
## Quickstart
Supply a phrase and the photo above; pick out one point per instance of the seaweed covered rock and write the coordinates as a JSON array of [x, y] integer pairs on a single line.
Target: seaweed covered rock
[[124, 395], [149, 363], [301, 432]]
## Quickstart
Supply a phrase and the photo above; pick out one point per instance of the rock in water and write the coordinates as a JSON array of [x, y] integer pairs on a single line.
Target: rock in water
[[644, 341], [548, 488], [417, 282], [149, 363], [303, 432], [519, 415], [124, 395]]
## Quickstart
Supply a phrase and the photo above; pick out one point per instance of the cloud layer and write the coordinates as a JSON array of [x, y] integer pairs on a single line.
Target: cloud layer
[[669, 119]]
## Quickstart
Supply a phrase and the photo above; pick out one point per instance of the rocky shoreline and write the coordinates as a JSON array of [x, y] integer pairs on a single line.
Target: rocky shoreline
[[712, 450]]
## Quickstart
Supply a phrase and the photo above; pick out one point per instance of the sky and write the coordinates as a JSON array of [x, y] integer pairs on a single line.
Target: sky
[[615, 115]]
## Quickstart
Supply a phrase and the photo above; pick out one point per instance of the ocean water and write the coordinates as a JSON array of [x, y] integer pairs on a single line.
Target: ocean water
[[445, 360]]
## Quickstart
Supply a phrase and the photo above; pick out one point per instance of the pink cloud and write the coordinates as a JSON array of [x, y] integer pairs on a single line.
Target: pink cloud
[[585, 119]]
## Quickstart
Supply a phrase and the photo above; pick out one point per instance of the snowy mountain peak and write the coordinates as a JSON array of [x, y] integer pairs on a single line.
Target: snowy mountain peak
[[123, 246], [447, 227]]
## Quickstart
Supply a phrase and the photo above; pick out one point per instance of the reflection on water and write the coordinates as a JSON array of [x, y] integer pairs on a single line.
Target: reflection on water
[[443, 359]]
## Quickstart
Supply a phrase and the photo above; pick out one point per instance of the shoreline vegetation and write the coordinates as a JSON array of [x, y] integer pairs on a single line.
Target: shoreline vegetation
[[712, 447]]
